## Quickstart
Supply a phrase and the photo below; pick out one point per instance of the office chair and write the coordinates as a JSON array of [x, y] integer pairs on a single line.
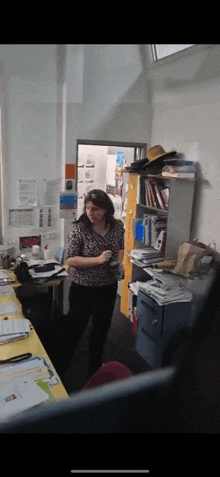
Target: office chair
[[109, 372]]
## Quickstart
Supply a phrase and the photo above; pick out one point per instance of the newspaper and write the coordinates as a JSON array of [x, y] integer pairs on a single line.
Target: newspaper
[[166, 290]]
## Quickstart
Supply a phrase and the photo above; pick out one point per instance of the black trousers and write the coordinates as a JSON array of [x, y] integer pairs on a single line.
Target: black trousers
[[96, 302]]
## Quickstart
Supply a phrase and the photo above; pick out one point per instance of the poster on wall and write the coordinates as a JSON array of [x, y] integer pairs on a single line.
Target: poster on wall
[[110, 174], [26, 243], [51, 191], [68, 205], [47, 217], [27, 192], [21, 217]]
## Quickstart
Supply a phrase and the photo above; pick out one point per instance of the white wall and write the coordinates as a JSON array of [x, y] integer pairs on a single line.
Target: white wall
[[32, 109], [56, 94], [186, 118]]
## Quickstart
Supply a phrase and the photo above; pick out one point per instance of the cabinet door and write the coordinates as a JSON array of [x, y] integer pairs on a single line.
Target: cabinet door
[[148, 350], [176, 316], [150, 316], [148, 337]]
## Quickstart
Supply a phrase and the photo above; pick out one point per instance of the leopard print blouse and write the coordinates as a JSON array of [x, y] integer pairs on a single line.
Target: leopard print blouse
[[84, 243]]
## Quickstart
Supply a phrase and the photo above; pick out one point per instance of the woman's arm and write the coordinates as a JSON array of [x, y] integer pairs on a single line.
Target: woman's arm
[[85, 262]]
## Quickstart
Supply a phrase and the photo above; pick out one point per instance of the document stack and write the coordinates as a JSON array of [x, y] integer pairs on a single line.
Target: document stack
[[13, 330], [20, 395], [146, 256], [166, 289]]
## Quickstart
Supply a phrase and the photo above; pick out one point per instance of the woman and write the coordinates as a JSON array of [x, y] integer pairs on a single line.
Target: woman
[[94, 238]]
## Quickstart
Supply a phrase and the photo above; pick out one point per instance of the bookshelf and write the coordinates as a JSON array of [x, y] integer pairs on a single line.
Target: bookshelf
[[177, 216]]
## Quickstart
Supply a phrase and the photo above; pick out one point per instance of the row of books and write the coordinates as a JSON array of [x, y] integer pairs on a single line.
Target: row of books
[[154, 194], [151, 230]]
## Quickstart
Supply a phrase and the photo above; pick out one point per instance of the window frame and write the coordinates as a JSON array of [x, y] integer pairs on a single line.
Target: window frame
[[177, 55], [3, 189]]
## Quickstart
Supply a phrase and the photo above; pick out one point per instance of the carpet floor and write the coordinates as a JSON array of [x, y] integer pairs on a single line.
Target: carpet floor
[[120, 346]]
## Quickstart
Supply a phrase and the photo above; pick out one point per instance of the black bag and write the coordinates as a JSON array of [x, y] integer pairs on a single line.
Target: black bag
[[22, 273]]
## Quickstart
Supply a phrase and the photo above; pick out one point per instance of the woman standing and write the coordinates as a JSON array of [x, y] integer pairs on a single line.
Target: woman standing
[[94, 238]]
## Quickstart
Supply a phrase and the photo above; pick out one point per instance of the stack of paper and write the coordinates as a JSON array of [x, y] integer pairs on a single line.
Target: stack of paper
[[146, 256], [13, 330], [6, 290], [8, 308], [36, 368], [165, 290], [19, 395]]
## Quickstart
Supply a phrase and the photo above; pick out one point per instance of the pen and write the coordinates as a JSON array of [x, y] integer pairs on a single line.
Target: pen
[[16, 359]]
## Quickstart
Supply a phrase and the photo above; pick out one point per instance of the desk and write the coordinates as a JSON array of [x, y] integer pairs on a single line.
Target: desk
[[31, 344]]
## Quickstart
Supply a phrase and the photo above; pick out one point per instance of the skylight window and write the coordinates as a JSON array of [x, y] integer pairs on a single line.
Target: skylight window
[[161, 51]]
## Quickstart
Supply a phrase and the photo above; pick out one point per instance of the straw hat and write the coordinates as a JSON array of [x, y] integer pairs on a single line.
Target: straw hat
[[157, 152]]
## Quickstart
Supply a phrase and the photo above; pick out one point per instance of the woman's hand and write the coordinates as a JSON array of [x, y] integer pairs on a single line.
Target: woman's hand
[[105, 256]]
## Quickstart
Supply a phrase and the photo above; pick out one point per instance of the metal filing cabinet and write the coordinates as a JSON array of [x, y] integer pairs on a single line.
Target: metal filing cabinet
[[156, 324]]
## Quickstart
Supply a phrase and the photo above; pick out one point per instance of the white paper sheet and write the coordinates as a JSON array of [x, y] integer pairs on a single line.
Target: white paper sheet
[[8, 308], [19, 395], [27, 192]]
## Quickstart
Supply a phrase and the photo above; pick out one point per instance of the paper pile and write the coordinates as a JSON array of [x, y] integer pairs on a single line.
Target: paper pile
[[36, 368], [166, 289], [21, 394], [146, 256], [13, 330]]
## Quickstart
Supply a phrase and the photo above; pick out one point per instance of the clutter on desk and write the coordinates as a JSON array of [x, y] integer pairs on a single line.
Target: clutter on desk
[[166, 289], [36, 367], [46, 252], [3, 275], [54, 271], [13, 329]]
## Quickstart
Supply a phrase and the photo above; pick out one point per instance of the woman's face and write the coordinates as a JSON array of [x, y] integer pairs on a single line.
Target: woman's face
[[94, 213]]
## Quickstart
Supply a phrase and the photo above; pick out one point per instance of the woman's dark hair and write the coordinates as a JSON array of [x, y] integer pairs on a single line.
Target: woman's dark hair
[[99, 198]]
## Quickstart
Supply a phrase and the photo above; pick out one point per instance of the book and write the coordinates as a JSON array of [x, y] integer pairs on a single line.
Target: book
[[159, 197], [166, 195], [160, 242], [146, 262], [155, 194]]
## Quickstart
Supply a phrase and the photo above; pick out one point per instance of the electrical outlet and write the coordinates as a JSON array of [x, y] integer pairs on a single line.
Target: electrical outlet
[[10, 241]]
